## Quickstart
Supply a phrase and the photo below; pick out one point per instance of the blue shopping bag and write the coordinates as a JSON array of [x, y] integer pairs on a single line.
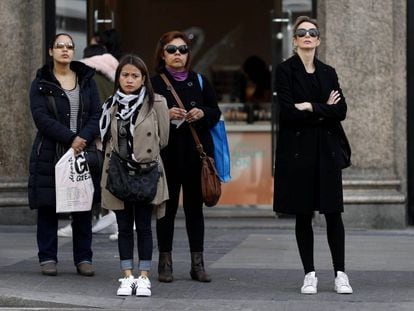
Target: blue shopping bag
[[221, 146], [221, 151]]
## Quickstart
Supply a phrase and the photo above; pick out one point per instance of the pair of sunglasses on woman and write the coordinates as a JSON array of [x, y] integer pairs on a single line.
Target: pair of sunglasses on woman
[[172, 49], [301, 32], [62, 45]]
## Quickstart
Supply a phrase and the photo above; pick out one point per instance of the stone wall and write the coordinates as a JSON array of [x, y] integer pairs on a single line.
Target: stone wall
[[366, 42], [21, 43], [21, 32]]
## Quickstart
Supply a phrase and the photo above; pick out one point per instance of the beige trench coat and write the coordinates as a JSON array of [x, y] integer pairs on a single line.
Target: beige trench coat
[[150, 136]]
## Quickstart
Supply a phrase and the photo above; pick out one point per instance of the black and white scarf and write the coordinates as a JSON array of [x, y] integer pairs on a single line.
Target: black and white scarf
[[127, 106]]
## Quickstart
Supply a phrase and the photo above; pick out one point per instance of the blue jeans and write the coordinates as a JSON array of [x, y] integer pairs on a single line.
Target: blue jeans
[[47, 226], [141, 215]]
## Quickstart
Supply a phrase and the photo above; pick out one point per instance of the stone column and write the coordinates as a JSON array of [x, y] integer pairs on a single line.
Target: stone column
[[366, 42], [21, 38]]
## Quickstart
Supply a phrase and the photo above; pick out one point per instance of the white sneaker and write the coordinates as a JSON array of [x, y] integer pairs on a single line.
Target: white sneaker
[[127, 286], [106, 224], [65, 231], [109, 229], [342, 285], [114, 236], [310, 284], [143, 287]]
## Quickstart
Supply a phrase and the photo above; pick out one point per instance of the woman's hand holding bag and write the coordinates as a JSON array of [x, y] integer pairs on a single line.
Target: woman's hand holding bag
[[74, 186]]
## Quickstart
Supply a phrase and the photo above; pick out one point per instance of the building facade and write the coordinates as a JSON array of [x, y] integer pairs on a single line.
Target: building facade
[[365, 40]]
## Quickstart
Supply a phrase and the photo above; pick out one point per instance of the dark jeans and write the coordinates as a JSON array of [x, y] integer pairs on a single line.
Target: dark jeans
[[336, 240], [47, 225], [125, 218], [194, 218]]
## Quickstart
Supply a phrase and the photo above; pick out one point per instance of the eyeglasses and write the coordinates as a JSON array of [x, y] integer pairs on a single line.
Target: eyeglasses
[[171, 49], [301, 32], [62, 45]]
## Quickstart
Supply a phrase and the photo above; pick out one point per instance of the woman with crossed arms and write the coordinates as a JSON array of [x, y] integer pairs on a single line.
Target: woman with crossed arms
[[309, 156]]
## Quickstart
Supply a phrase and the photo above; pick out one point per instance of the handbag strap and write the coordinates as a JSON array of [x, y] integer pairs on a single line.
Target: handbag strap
[[199, 146]]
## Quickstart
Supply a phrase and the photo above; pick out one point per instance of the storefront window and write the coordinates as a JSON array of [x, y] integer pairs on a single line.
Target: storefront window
[[71, 18], [235, 44]]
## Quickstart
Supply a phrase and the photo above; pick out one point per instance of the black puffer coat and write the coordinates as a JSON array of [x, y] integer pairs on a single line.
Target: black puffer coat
[[50, 131]]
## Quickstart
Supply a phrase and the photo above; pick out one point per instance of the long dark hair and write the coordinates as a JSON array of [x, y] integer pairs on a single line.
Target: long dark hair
[[134, 60], [159, 51], [111, 39]]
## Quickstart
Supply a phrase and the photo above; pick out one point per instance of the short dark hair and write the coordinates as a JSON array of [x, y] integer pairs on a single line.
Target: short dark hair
[[52, 42], [111, 39], [159, 51], [93, 49], [136, 61], [302, 19]]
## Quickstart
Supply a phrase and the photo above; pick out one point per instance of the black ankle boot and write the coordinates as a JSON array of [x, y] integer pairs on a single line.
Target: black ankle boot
[[165, 268], [197, 268]]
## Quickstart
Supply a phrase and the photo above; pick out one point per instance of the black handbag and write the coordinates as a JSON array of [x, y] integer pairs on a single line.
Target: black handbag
[[345, 155], [130, 181]]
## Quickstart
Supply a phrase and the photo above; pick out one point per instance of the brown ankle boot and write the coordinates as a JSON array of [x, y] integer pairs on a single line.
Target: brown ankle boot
[[197, 268], [165, 268]]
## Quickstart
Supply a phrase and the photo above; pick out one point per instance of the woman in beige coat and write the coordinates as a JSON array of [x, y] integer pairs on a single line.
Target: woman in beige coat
[[134, 124]]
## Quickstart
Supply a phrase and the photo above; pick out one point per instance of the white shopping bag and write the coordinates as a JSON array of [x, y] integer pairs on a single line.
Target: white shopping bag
[[74, 186]]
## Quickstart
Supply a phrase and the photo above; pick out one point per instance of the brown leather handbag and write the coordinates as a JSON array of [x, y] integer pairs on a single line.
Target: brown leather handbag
[[210, 182]]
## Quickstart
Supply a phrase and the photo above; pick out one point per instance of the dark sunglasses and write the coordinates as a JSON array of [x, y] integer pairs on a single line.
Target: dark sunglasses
[[171, 49], [313, 32], [62, 45]]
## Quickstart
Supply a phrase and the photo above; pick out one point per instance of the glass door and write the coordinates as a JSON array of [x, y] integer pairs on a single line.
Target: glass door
[[282, 20], [101, 16], [71, 18]]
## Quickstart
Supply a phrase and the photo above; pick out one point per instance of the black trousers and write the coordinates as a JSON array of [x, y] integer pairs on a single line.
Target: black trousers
[[336, 240], [193, 209]]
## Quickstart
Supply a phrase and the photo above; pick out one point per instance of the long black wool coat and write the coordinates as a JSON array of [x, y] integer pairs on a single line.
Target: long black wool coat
[[309, 160], [50, 131]]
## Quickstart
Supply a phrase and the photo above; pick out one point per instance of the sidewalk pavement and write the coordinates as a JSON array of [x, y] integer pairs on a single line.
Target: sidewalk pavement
[[254, 264]]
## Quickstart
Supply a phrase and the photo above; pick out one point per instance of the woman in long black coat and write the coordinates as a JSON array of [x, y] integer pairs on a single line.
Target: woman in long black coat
[[181, 158], [309, 154], [70, 85]]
